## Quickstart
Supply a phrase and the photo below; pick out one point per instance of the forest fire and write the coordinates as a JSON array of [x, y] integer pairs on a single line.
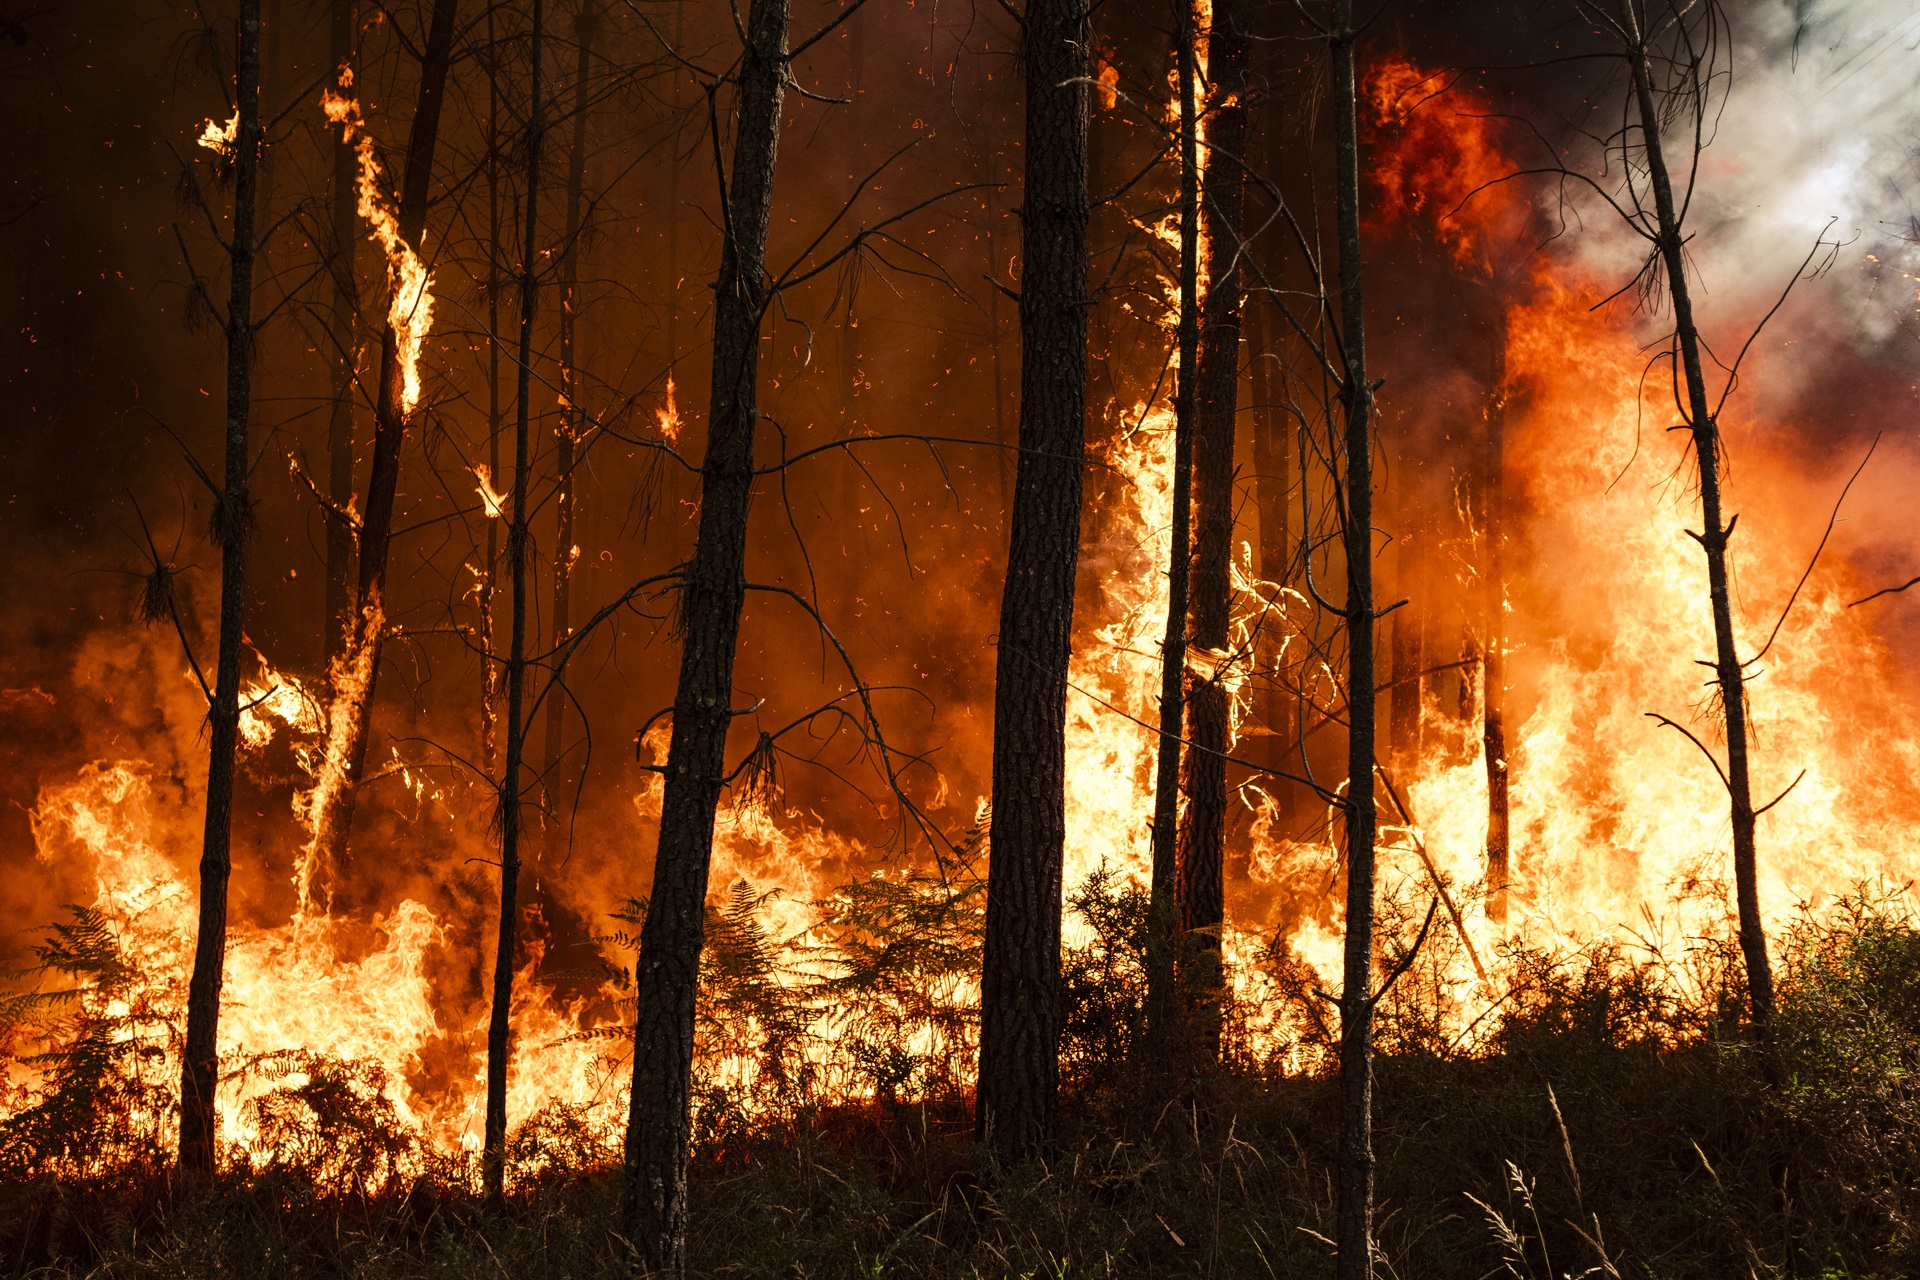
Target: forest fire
[[1065, 545]]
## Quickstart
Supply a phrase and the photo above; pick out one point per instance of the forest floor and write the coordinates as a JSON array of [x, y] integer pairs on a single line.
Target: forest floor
[[1598, 1132]]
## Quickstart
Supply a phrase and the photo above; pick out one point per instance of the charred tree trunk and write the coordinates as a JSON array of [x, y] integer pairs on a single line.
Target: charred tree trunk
[[711, 593], [1273, 480], [1715, 533], [346, 355], [1163, 1013], [1354, 1209], [1017, 1101], [232, 522], [500, 1026], [568, 433], [1202, 885], [1494, 651], [354, 677]]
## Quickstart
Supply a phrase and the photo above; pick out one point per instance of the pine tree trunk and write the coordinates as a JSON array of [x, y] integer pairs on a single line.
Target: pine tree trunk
[[351, 695], [1714, 533], [1202, 886], [558, 784], [500, 1025], [1494, 653], [1163, 1012], [1016, 1112], [233, 518], [1273, 480], [711, 594], [1353, 1215], [346, 356]]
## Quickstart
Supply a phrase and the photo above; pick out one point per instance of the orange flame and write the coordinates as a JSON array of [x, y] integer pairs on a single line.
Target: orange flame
[[220, 138], [410, 284], [667, 416]]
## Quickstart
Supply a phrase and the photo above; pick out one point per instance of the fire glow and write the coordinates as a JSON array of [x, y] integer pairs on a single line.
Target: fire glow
[[409, 283], [1619, 826]]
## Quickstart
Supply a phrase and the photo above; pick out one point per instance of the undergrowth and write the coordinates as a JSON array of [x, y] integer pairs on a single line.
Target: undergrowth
[[1609, 1117]]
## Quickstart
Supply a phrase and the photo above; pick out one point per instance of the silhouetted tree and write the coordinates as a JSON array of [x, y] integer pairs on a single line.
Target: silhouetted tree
[[1353, 1214], [1017, 1101], [710, 594], [499, 1026], [1163, 1012], [1217, 381], [232, 524], [1687, 52]]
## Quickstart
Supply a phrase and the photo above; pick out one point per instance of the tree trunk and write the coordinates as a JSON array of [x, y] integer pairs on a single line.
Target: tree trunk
[[350, 710], [1273, 480], [1163, 1013], [1714, 534], [232, 521], [490, 579], [1354, 1210], [1494, 651], [1017, 1100], [500, 1026], [1202, 887], [346, 357], [565, 463], [712, 591], [1404, 704]]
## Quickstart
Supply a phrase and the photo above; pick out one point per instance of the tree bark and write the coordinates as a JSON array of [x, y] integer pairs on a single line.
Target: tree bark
[[500, 1025], [1273, 481], [568, 432], [1494, 651], [1202, 886], [351, 695], [711, 594], [346, 356], [1354, 1208], [232, 521], [1163, 1012], [1016, 1113], [1714, 534]]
